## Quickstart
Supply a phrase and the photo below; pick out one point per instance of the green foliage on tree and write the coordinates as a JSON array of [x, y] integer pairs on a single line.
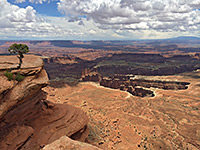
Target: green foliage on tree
[[19, 49]]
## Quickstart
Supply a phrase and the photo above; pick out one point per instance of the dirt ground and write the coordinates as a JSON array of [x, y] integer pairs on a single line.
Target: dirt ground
[[120, 121]]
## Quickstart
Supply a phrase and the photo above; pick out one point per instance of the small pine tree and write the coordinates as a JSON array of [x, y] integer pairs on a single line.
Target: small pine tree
[[19, 49]]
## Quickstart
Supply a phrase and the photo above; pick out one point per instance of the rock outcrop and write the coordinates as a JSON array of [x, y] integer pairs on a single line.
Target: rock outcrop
[[136, 87], [126, 85], [27, 120], [94, 77], [65, 143], [140, 87], [90, 75], [61, 60]]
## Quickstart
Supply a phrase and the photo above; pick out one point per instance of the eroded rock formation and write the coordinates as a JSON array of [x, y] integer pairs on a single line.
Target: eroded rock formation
[[126, 85], [140, 87], [27, 120], [65, 143], [90, 75], [137, 87], [61, 60]]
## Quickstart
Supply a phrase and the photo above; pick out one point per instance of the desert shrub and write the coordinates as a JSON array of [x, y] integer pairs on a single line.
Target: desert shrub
[[19, 77], [9, 75]]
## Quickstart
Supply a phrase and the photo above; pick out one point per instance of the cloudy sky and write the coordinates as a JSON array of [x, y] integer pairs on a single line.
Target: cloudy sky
[[98, 19]]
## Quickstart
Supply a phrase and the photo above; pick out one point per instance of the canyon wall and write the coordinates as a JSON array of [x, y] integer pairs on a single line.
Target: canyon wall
[[137, 87], [27, 119]]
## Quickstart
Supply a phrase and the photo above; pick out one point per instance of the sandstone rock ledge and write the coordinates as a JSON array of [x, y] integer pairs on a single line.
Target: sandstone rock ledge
[[65, 143], [27, 120]]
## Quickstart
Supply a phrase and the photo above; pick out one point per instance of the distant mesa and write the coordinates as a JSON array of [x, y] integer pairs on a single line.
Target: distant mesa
[[136, 87], [71, 68]]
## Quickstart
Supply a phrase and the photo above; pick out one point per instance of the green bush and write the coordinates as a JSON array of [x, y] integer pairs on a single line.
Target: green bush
[[9, 75], [19, 77]]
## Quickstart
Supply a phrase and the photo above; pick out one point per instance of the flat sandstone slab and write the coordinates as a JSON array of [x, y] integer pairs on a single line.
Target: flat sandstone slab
[[11, 61]]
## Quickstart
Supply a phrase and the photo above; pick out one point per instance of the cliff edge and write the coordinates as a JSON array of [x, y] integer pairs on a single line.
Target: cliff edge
[[27, 119]]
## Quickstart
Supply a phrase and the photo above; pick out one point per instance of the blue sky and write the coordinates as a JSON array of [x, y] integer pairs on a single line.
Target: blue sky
[[46, 8], [98, 19]]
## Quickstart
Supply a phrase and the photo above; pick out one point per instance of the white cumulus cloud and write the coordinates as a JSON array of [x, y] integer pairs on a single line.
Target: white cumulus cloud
[[103, 19], [160, 15], [24, 22], [34, 1]]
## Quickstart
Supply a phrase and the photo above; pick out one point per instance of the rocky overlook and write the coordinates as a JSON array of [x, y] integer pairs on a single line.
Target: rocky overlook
[[27, 119]]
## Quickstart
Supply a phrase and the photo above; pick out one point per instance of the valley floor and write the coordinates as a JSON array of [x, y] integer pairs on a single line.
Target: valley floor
[[118, 120]]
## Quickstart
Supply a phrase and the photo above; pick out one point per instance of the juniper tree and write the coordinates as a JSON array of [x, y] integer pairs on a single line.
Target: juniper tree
[[19, 49]]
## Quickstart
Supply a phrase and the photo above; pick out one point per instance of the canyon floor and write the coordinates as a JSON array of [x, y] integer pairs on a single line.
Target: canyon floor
[[117, 120], [120, 121]]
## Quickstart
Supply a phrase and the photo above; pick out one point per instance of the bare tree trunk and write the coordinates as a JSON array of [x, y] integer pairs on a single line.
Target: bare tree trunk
[[20, 62]]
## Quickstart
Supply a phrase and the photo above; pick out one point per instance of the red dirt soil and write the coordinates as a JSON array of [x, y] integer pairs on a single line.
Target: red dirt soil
[[118, 120]]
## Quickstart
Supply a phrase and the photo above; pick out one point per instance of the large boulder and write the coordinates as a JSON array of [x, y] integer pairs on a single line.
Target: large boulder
[[65, 143]]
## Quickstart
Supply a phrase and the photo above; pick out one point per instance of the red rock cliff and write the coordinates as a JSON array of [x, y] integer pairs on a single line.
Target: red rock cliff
[[27, 119]]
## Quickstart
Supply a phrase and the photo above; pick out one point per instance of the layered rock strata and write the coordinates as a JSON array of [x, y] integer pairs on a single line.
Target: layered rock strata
[[27, 120], [137, 87]]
